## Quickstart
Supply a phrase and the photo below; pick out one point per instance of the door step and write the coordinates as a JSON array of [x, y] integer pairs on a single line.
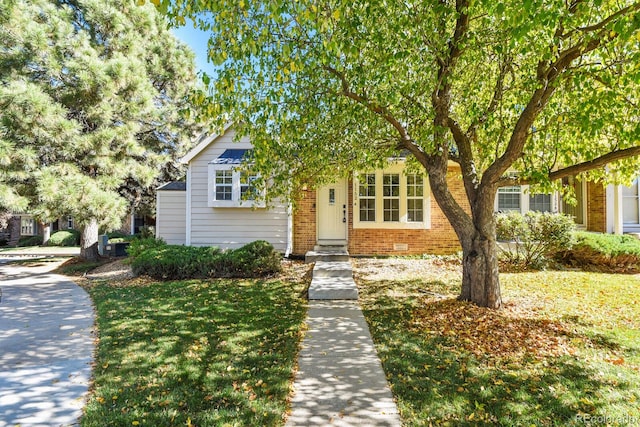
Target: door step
[[327, 253]]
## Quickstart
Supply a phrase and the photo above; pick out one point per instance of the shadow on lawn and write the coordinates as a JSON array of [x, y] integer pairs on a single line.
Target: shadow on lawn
[[444, 372], [197, 352]]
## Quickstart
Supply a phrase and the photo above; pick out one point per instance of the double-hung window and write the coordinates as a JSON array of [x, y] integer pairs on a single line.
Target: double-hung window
[[509, 198], [27, 226], [391, 199], [223, 185], [415, 198], [367, 197]]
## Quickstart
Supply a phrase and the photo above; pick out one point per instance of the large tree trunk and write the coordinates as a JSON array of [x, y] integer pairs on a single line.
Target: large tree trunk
[[480, 279], [477, 235], [89, 241], [46, 233]]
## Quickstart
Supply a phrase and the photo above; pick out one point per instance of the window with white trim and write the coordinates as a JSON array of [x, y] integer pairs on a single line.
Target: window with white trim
[[540, 202], [415, 198], [27, 226], [248, 190], [509, 198], [631, 204], [232, 188], [391, 199], [69, 223], [367, 196]]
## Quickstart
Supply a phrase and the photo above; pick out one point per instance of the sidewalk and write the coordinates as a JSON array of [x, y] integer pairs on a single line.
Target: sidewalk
[[340, 381], [39, 251], [46, 347]]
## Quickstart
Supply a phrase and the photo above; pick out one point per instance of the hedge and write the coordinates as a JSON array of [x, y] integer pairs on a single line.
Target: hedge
[[64, 238], [607, 250], [173, 262]]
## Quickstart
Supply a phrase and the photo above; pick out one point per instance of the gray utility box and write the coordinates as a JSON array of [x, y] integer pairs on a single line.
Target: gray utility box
[[111, 249]]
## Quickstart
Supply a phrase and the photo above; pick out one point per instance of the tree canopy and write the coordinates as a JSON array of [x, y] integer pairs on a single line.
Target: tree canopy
[[92, 95], [547, 88]]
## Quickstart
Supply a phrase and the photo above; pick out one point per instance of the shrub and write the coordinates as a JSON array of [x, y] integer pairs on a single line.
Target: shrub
[[137, 246], [29, 241], [4, 242], [64, 238], [172, 262], [533, 238], [255, 259], [116, 235], [147, 231], [606, 250], [175, 262]]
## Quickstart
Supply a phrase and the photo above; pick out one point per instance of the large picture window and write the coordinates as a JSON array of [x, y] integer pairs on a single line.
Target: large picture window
[[391, 198]]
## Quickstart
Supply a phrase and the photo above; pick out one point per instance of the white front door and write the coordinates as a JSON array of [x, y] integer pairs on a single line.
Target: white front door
[[332, 213]]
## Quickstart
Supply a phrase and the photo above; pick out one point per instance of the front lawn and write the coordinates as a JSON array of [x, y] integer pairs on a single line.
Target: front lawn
[[564, 351], [196, 352]]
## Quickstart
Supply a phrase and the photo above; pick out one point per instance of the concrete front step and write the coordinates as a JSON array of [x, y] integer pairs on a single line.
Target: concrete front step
[[333, 288], [314, 256], [332, 269]]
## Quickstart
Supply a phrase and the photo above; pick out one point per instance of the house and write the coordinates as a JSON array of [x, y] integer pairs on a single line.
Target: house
[[25, 225], [598, 208], [22, 225], [381, 212]]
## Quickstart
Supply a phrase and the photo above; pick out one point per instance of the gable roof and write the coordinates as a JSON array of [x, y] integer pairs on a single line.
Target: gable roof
[[204, 141], [173, 186]]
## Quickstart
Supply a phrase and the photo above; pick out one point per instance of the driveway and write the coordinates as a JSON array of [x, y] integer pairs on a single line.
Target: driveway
[[46, 347]]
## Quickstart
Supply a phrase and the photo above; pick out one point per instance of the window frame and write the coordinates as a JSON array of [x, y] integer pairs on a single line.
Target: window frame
[[510, 190], [28, 226], [236, 188], [379, 197]]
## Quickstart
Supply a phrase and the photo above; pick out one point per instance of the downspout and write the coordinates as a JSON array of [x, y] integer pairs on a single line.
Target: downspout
[[287, 252]]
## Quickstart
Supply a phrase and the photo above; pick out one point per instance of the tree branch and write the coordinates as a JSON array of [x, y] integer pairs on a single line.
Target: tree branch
[[578, 168], [405, 139], [600, 25]]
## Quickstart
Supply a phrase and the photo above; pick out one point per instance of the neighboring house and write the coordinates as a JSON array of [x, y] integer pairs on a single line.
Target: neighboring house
[[25, 225], [598, 208]]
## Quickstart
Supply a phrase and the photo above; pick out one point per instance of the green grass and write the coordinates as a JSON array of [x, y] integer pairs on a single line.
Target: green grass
[[200, 352], [566, 347]]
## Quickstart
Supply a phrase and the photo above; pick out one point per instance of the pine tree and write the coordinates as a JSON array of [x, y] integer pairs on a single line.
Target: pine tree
[[92, 95]]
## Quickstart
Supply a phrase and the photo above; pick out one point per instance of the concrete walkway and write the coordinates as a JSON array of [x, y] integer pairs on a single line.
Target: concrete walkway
[[46, 347], [340, 381]]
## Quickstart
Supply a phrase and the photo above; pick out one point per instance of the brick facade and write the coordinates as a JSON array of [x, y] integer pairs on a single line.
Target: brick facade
[[596, 207], [439, 239]]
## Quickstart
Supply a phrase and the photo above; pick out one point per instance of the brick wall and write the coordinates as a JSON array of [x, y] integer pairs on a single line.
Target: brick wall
[[304, 223], [596, 207], [439, 239]]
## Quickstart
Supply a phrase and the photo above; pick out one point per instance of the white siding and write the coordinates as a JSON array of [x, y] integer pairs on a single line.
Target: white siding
[[171, 216], [230, 227]]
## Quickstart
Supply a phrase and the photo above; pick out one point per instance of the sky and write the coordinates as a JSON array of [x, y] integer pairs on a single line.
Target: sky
[[197, 40]]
